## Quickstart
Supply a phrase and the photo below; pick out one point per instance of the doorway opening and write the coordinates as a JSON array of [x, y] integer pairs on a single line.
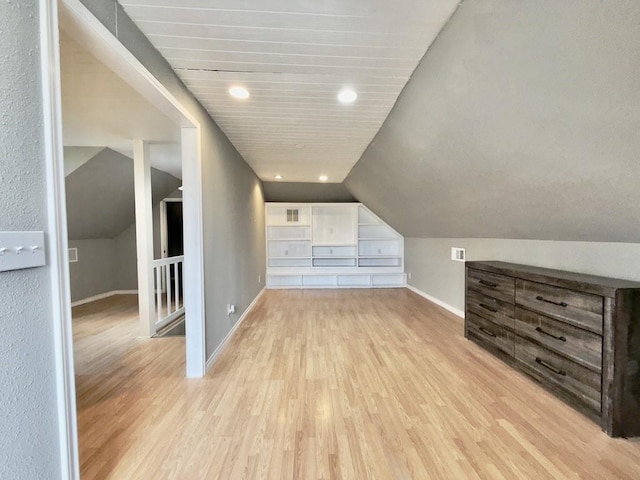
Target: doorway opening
[[79, 23], [172, 246]]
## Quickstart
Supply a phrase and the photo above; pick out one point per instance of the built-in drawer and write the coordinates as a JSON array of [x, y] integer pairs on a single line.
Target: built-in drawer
[[579, 382], [488, 332], [334, 262], [492, 284], [336, 251], [490, 308], [580, 345], [583, 310]]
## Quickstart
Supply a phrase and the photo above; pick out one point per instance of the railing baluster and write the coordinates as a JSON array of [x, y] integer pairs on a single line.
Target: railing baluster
[[167, 272], [176, 272], [159, 291]]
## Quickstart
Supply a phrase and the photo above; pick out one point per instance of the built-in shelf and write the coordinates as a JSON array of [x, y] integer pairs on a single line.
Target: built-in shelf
[[331, 246]]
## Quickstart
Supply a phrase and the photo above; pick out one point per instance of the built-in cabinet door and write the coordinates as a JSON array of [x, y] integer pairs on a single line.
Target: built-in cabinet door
[[334, 225]]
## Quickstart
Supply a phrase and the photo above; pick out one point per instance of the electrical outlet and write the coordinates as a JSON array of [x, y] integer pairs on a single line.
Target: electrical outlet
[[458, 254], [409, 275], [231, 309], [259, 278]]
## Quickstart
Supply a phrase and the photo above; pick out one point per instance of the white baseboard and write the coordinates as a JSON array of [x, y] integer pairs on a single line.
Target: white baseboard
[[103, 295], [442, 304], [218, 351]]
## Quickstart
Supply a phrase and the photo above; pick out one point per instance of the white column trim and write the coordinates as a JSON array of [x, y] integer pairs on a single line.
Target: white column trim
[[194, 291], [57, 240], [144, 236]]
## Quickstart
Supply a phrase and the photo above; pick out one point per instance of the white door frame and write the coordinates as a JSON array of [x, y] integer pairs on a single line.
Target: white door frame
[[100, 41], [57, 241], [164, 225]]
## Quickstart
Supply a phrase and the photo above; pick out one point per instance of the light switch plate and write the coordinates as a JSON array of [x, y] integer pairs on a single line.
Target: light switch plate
[[21, 250]]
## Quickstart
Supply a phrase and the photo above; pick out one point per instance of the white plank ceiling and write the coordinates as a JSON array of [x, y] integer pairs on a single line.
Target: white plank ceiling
[[294, 56]]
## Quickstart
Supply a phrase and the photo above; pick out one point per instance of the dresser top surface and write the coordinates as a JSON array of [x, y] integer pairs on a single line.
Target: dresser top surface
[[578, 281]]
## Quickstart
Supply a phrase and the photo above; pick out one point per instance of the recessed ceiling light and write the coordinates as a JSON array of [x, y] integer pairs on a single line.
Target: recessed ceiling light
[[347, 96], [278, 177], [239, 92], [323, 178]]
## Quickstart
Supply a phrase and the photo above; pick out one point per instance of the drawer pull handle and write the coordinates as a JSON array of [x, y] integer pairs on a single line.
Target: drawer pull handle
[[487, 332], [487, 307], [541, 330], [489, 284], [542, 299], [550, 367]]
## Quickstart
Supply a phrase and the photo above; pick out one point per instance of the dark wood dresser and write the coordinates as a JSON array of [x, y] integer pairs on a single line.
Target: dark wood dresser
[[577, 335]]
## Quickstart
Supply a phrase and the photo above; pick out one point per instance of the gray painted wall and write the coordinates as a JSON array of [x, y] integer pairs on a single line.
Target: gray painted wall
[[306, 192], [126, 259], [95, 271], [521, 121], [28, 417], [101, 195], [109, 264], [433, 271], [100, 209], [233, 210]]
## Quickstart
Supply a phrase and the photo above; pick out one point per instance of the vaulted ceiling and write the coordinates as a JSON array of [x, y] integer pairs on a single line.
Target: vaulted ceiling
[[294, 56], [520, 121]]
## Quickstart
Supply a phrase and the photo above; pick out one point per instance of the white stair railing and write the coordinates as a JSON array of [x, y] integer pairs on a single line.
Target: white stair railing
[[168, 290]]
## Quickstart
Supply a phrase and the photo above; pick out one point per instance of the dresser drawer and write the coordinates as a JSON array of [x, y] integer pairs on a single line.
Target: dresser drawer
[[487, 332], [575, 343], [583, 310], [579, 382], [490, 308], [491, 284]]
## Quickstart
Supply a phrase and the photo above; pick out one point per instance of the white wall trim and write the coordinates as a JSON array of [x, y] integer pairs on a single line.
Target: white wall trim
[[193, 272], [100, 296], [218, 351], [144, 236], [57, 240], [438, 302]]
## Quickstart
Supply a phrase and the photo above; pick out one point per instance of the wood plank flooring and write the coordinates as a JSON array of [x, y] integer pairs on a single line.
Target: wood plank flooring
[[319, 384]]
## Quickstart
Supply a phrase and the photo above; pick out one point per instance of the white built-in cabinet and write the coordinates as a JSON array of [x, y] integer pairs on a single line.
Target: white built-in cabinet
[[331, 245]]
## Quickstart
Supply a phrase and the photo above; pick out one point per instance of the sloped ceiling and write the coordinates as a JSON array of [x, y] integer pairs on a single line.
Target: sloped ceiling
[[521, 121], [100, 195], [100, 109], [75, 157]]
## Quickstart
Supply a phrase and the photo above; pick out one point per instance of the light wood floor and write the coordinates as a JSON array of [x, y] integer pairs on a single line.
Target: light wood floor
[[357, 384]]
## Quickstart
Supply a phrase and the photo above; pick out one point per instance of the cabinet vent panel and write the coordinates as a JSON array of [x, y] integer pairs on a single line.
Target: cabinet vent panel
[[293, 215]]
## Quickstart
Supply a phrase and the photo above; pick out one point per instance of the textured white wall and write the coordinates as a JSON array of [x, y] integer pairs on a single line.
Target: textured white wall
[[28, 419], [433, 271]]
